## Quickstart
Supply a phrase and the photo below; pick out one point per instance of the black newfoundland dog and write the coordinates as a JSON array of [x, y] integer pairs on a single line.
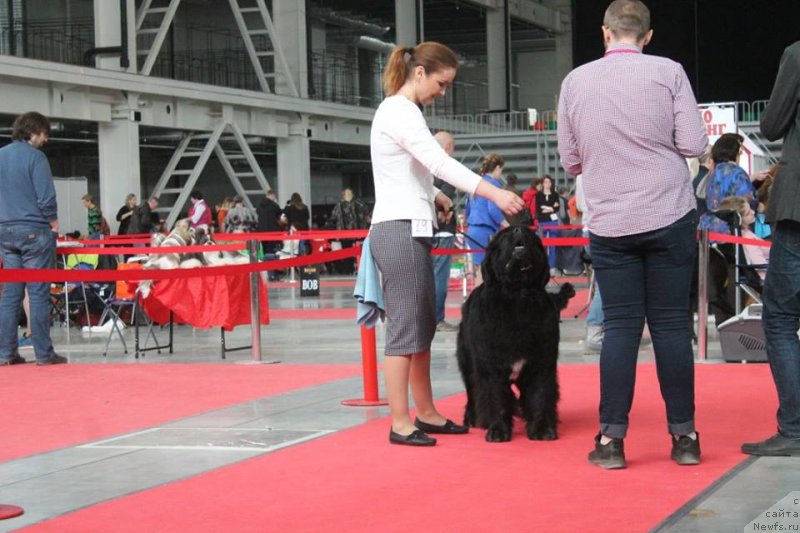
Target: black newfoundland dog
[[509, 335]]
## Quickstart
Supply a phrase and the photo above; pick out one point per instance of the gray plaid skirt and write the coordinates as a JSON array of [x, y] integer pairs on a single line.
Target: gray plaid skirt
[[408, 286]]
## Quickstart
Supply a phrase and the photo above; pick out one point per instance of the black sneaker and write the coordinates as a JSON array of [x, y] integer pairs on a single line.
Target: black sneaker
[[16, 359], [686, 450], [610, 456], [54, 359]]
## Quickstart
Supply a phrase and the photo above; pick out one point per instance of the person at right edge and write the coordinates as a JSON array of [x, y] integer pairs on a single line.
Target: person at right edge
[[627, 121], [781, 118], [405, 157], [28, 231]]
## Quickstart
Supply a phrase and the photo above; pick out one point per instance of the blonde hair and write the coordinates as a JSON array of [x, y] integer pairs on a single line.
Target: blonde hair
[[736, 203], [627, 18], [431, 56]]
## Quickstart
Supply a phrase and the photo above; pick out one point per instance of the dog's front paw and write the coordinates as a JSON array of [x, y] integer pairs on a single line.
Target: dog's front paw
[[567, 291], [498, 433], [541, 433], [469, 417]]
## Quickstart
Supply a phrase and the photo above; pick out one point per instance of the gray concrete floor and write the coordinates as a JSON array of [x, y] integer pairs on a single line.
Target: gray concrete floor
[[53, 483]]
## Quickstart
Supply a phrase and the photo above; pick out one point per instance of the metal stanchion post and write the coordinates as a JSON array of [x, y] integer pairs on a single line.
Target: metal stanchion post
[[702, 297], [255, 307], [293, 247], [255, 303]]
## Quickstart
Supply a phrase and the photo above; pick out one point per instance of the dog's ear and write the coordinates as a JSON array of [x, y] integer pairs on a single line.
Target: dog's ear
[[487, 266], [494, 260], [542, 276]]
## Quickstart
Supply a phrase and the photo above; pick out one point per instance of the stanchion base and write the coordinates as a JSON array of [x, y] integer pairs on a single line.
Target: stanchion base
[[9, 511], [360, 402], [264, 362]]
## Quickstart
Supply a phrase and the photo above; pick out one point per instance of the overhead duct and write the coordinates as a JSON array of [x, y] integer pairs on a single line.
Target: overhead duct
[[337, 18], [375, 45]]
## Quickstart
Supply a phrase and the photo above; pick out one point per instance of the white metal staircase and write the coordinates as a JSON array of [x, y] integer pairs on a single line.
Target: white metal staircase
[[152, 24], [190, 158], [261, 43]]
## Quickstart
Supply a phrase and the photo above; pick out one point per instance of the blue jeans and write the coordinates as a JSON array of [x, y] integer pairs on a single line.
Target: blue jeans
[[595, 315], [441, 272], [31, 247], [780, 321], [545, 231], [647, 275]]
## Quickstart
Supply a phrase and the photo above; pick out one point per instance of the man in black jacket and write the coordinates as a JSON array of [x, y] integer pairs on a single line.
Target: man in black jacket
[[781, 118], [269, 219], [144, 219]]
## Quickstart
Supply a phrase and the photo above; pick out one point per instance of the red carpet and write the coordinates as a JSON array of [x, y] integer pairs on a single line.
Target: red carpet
[[55, 407], [355, 481], [314, 314]]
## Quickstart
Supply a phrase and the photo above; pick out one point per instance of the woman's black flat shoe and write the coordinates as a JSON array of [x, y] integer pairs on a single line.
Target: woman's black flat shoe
[[417, 438], [449, 427]]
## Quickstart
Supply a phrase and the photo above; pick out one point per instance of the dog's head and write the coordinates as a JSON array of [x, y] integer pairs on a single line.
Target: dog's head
[[516, 257], [182, 231]]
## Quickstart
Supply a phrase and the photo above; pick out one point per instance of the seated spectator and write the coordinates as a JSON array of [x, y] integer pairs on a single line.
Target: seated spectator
[[728, 179], [754, 254]]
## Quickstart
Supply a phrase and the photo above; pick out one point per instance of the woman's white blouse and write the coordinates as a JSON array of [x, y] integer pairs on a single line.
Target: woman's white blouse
[[405, 157]]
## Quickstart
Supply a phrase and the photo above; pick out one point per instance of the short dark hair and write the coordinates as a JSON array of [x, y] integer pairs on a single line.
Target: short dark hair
[[627, 17], [197, 195], [727, 147], [29, 124], [511, 179]]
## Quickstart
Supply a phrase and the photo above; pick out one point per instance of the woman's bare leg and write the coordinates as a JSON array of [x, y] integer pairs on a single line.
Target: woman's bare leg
[[422, 391], [396, 370]]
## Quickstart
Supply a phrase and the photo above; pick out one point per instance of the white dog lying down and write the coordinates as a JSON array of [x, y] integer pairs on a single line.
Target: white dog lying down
[[183, 235]]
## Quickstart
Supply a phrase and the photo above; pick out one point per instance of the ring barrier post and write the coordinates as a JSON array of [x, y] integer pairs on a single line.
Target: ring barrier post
[[369, 367], [10, 511], [255, 303], [702, 297], [255, 309], [369, 361], [295, 247]]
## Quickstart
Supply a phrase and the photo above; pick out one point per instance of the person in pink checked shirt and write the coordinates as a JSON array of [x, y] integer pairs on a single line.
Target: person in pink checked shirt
[[627, 121]]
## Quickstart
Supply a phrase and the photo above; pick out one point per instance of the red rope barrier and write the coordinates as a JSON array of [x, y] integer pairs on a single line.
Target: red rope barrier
[[21, 275], [724, 237], [67, 250]]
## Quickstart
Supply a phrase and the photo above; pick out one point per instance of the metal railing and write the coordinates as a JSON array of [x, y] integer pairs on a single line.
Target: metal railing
[[215, 56]]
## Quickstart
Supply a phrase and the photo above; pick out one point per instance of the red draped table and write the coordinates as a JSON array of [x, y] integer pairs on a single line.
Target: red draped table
[[205, 302]]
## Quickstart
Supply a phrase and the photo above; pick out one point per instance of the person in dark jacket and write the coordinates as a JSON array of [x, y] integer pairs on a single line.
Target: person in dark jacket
[[144, 219], [781, 118], [269, 219], [350, 213], [297, 216], [125, 213]]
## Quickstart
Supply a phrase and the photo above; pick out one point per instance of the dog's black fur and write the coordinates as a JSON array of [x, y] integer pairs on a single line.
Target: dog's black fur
[[509, 320]]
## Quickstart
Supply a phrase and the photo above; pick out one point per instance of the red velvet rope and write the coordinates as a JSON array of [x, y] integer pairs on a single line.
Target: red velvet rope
[[67, 250], [724, 237], [22, 275]]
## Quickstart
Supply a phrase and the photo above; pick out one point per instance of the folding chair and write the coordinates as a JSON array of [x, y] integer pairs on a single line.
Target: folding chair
[[65, 297], [125, 295]]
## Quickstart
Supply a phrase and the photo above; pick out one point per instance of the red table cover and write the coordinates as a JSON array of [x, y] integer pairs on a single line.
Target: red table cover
[[205, 302]]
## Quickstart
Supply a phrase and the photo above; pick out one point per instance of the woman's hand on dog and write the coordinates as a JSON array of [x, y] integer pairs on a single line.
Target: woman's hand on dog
[[508, 202]]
